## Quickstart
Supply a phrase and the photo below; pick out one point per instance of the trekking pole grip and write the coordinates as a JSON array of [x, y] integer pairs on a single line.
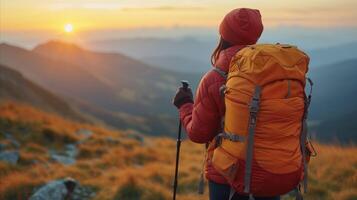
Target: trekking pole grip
[[185, 84]]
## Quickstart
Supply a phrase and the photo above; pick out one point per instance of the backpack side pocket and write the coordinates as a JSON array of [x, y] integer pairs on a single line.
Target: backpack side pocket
[[225, 163]]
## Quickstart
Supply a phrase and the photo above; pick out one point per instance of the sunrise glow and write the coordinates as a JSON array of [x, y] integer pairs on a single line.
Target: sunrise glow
[[68, 28]]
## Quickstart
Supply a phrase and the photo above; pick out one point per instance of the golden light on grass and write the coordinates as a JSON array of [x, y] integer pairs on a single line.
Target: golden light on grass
[[68, 28]]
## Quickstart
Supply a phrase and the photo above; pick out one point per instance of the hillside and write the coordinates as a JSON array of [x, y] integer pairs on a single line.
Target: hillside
[[15, 87], [110, 82], [121, 166], [57, 76], [111, 164]]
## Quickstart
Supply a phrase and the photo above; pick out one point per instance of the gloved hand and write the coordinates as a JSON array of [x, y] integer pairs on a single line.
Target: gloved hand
[[182, 97]]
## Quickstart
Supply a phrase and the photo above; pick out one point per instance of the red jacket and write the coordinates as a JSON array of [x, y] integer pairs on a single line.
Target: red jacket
[[202, 120]]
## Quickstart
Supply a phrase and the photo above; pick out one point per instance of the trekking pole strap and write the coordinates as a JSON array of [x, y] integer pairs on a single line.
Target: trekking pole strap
[[254, 108]]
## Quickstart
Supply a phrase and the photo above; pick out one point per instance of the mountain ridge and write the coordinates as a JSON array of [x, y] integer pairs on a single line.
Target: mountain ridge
[[15, 87]]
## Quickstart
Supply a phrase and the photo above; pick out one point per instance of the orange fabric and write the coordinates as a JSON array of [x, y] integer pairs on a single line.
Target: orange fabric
[[280, 70]]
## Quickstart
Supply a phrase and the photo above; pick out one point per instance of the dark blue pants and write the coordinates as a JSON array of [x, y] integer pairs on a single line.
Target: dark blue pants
[[221, 192]]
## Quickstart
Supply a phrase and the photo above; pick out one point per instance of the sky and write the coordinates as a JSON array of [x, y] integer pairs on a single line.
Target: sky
[[23, 19]]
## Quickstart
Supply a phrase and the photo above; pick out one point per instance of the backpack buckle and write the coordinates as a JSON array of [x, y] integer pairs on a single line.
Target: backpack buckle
[[222, 90], [254, 106], [218, 141]]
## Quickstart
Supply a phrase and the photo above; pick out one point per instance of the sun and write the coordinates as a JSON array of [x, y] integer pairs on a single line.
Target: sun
[[68, 28]]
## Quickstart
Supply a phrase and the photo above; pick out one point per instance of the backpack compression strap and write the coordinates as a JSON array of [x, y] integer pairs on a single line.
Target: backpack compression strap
[[253, 109], [304, 133]]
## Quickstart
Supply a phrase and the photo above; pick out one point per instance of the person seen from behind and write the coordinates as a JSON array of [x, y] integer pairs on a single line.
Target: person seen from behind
[[202, 117]]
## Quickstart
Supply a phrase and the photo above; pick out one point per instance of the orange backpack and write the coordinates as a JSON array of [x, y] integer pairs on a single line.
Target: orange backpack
[[263, 150]]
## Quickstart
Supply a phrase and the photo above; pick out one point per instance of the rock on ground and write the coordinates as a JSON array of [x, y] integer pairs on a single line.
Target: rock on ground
[[68, 157], [55, 190], [10, 157], [63, 190], [66, 160]]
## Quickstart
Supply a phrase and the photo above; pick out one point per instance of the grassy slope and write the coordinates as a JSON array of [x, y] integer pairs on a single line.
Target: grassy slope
[[126, 168]]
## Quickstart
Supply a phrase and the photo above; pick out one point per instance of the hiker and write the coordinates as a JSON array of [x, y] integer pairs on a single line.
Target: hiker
[[202, 118]]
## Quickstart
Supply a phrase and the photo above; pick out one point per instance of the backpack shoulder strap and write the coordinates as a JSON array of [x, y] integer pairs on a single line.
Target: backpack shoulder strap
[[221, 72]]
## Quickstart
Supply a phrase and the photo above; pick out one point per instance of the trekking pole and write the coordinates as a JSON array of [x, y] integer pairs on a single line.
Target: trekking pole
[[185, 85]]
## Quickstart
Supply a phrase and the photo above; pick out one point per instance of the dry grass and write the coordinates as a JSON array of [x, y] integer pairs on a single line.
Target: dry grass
[[124, 168], [333, 174]]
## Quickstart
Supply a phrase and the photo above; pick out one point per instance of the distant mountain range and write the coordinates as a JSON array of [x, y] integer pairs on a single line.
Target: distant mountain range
[[193, 55], [333, 54], [15, 87], [152, 47], [179, 64], [185, 54], [136, 84], [113, 84]]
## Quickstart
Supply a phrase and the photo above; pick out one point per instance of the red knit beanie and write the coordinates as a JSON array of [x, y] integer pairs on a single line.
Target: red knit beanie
[[242, 26]]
